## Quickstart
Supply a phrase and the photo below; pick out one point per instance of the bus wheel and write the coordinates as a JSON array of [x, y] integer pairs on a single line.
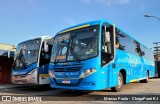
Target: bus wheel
[[120, 84], [147, 78]]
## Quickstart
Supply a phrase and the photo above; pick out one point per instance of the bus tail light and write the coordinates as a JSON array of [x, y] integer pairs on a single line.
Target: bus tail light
[[87, 72], [51, 74]]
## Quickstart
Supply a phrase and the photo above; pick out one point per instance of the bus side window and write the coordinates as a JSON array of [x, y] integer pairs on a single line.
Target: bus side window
[[120, 40], [106, 52], [139, 49]]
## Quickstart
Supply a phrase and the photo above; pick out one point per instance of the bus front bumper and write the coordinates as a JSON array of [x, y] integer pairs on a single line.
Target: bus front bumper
[[23, 79], [82, 84]]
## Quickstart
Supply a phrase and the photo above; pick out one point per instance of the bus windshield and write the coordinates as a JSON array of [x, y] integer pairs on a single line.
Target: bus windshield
[[76, 45], [27, 53]]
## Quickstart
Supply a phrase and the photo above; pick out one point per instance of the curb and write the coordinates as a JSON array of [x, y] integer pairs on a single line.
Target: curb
[[16, 87]]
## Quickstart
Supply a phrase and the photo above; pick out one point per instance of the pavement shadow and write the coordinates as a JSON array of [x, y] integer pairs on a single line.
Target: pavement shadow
[[72, 93]]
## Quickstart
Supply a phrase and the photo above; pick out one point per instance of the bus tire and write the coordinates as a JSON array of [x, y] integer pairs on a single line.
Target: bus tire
[[120, 84], [147, 78]]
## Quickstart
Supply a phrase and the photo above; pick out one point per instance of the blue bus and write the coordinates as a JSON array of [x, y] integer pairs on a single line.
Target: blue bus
[[97, 55], [32, 61]]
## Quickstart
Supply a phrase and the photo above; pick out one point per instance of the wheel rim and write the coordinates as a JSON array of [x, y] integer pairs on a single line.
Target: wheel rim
[[119, 82], [147, 76]]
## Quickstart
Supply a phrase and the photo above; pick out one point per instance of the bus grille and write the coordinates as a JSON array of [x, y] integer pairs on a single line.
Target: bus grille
[[19, 76], [68, 68], [22, 81]]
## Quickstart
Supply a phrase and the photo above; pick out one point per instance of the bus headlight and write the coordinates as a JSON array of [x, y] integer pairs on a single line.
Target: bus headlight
[[31, 72], [87, 72], [51, 74]]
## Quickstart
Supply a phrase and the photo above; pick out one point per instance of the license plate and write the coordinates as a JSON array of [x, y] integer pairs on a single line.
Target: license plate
[[66, 81], [20, 83]]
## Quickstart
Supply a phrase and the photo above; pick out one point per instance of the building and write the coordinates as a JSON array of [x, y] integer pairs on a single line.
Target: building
[[6, 62]]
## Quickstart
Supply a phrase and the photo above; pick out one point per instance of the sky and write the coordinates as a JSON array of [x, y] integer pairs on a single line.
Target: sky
[[25, 19]]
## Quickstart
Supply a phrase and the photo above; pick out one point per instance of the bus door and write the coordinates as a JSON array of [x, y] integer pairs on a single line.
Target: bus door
[[141, 67], [107, 54], [44, 63]]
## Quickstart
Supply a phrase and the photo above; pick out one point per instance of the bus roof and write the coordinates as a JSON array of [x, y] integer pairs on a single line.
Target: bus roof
[[40, 37], [91, 23], [82, 25]]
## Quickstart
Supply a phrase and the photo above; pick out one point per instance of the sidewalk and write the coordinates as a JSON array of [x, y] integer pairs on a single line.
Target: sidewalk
[[13, 86]]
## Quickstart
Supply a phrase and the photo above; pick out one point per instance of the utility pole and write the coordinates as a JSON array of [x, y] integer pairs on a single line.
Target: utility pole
[[157, 51], [157, 58]]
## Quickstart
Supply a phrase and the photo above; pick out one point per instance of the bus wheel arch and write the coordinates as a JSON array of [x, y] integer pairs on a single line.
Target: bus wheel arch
[[121, 81], [148, 73], [123, 72], [146, 79]]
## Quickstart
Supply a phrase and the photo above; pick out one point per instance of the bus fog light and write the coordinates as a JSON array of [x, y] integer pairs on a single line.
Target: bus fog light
[[33, 79], [87, 72], [51, 74]]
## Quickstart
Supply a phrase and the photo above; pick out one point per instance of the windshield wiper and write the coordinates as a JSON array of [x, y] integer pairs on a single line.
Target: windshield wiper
[[72, 51], [22, 59], [56, 60], [70, 48], [74, 54], [19, 57]]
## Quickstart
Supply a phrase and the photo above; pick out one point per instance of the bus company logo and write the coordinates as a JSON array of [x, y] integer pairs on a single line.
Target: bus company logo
[[74, 73], [66, 63], [6, 98], [18, 73], [59, 73]]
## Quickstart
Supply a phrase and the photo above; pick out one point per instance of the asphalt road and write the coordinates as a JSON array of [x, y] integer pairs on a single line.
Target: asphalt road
[[60, 96]]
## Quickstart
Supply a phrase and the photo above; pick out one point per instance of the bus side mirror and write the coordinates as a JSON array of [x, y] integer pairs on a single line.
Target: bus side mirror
[[107, 36], [46, 47], [9, 54]]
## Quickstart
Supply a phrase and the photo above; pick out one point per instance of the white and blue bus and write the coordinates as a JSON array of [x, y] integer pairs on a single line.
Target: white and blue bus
[[31, 61], [97, 55]]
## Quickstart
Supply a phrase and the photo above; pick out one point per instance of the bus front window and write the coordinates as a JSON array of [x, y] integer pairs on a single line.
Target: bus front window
[[27, 53], [76, 45]]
